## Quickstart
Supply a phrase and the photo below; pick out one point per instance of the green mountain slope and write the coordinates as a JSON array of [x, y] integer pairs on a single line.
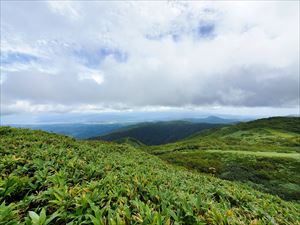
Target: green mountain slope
[[52, 179], [264, 154], [158, 132]]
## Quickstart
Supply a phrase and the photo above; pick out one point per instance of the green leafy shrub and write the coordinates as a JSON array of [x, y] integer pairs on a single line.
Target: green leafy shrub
[[63, 181]]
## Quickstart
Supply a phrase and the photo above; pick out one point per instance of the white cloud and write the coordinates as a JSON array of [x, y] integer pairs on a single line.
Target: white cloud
[[65, 8], [150, 54], [92, 75]]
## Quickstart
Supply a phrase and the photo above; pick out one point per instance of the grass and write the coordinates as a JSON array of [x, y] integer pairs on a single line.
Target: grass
[[52, 179], [268, 174], [264, 154]]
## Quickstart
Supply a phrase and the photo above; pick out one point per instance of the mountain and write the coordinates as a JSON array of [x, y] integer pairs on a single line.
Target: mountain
[[52, 179], [264, 153], [85, 130], [107, 117], [79, 131], [156, 133], [212, 119]]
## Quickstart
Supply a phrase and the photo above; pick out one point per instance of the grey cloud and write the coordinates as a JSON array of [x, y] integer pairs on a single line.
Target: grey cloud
[[258, 67], [240, 87]]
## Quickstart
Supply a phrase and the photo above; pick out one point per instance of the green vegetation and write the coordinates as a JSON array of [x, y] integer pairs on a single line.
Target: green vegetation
[[158, 132], [264, 153], [52, 179]]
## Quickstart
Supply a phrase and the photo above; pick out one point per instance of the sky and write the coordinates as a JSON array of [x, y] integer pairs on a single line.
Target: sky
[[213, 57]]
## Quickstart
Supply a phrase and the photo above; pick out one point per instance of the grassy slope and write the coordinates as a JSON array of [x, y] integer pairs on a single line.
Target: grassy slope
[[263, 153], [157, 133], [47, 178]]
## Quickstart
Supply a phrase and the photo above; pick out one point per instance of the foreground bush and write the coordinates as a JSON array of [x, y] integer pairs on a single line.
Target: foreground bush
[[52, 179]]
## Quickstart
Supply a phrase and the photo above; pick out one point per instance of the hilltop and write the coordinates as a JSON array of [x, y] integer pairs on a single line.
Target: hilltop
[[156, 133], [48, 178], [284, 124], [264, 153]]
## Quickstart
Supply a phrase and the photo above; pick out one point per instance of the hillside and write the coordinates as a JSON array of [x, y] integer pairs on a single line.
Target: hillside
[[285, 124], [264, 153], [157, 132], [52, 179]]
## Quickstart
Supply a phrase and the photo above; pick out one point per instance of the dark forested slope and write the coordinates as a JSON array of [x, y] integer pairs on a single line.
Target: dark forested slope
[[157, 132]]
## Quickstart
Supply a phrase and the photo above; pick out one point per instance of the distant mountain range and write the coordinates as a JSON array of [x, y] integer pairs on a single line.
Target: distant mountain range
[[79, 131], [89, 130], [113, 117], [212, 119]]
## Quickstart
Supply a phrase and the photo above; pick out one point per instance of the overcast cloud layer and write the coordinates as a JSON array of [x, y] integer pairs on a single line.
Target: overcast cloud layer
[[85, 56]]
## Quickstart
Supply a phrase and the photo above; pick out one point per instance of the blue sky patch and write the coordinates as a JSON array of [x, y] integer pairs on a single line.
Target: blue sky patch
[[206, 30], [175, 35], [8, 58], [93, 59]]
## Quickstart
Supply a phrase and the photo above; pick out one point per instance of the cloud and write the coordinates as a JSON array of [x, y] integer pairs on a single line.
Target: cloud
[[92, 75], [148, 54]]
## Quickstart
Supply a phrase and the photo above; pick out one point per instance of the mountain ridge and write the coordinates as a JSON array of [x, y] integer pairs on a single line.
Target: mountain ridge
[[155, 133]]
